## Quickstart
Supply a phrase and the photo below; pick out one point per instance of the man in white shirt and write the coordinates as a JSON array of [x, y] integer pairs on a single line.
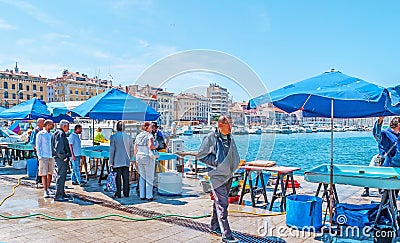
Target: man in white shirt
[[44, 153]]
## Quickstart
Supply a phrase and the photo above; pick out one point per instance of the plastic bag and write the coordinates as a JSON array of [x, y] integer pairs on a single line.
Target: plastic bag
[[111, 185]]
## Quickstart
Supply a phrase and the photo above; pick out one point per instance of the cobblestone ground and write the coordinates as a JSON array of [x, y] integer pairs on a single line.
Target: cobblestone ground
[[193, 202]]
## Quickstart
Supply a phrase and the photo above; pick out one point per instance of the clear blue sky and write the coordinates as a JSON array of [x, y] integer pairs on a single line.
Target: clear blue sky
[[283, 41]]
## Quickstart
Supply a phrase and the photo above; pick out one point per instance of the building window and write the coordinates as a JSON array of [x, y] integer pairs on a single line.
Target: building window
[[5, 85], [12, 86], [14, 96], [20, 86], [34, 95], [6, 95], [21, 96], [28, 97], [76, 91], [6, 104], [27, 87], [34, 87], [70, 91], [41, 88], [41, 97]]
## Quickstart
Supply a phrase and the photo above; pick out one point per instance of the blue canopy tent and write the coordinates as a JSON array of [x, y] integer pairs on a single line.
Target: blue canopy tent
[[331, 94], [116, 105], [62, 108], [31, 110]]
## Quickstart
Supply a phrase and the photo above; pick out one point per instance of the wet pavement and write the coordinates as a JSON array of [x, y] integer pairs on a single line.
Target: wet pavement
[[93, 201]]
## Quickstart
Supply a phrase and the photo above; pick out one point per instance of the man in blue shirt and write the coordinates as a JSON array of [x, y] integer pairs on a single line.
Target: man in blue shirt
[[387, 140], [387, 143], [44, 153], [75, 147]]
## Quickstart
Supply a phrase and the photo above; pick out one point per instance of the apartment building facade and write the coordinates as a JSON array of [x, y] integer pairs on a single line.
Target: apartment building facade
[[78, 87], [166, 107], [192, 107], [219, 97], [17, 87]]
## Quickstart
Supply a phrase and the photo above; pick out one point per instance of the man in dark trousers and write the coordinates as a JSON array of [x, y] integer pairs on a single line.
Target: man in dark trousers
[[61, 153], [218, 150], [121, 153]]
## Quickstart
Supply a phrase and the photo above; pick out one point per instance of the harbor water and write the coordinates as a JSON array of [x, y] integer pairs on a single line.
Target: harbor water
[[304, 150]]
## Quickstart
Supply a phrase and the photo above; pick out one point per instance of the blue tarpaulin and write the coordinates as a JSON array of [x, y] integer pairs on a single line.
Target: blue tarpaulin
[[116, 105], [31, 110], [353, 97]]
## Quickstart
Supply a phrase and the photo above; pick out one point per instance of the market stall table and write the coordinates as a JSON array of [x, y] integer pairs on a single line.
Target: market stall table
[[385, 178], [20, 151], [181, 159], [282, 171], [103, 152]]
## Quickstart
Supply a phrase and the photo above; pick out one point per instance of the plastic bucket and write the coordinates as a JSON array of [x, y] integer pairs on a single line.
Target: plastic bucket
[[31, 167], [304, 212], [170, 184], [266, 176]]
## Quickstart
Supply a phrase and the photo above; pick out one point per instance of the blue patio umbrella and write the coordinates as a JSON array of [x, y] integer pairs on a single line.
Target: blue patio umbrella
[[116, 105], [352, 97], [331, 94], [31, 110]]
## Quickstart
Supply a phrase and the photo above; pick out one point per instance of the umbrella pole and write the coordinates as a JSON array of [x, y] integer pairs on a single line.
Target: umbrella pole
[[93, 132], [331, 173]]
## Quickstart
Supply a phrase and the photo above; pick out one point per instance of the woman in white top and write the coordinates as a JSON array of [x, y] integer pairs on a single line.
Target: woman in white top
[[143, 152]]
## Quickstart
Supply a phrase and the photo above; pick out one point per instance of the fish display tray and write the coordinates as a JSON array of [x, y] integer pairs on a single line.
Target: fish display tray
[[363, 176]]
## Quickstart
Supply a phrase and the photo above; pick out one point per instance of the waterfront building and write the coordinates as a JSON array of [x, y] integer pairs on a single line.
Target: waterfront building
[[185, 107], [166, 107], [50, 90], [147, 94], [78, 87], [203, 108], [192, 107], [17, 86], [237, 113], [219, 99]]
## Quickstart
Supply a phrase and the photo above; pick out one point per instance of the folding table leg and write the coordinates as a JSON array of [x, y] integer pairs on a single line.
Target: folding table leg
[[243, 187], [274, 196]]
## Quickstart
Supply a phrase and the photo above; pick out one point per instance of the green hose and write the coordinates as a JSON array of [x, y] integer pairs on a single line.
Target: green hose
[[102, 217]]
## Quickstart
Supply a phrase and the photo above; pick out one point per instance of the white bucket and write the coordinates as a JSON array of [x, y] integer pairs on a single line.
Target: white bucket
[[170, 183]]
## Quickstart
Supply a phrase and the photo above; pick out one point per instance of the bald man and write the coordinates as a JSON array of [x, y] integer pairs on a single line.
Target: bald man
[[32, 141], [218, 150]]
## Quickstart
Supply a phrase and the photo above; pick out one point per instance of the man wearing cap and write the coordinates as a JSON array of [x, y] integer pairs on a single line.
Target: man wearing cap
[[61, 153]]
